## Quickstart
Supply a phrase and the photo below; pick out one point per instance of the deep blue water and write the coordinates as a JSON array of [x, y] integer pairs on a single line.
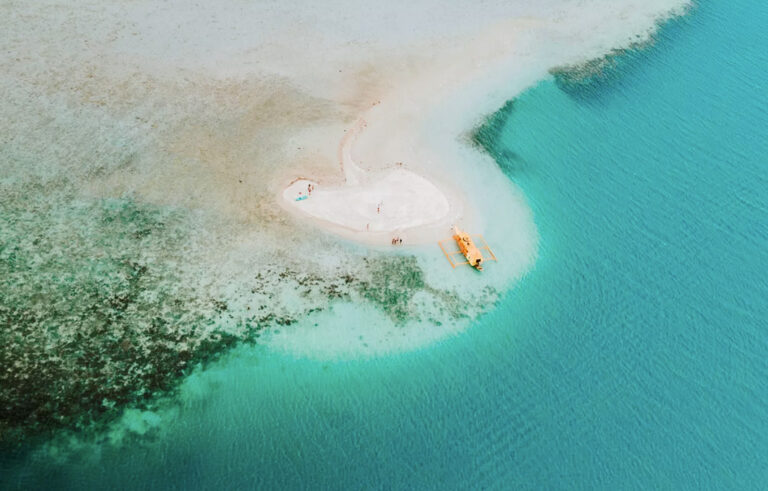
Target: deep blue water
[[634, 355]]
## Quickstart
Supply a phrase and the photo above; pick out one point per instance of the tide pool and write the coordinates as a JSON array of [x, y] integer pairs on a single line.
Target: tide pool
[[633, 355]]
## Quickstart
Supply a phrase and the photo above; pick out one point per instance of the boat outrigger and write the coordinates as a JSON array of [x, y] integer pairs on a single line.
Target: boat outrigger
[[467, 248]]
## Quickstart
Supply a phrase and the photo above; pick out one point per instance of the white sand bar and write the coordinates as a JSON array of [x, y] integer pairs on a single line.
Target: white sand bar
[[392, 202], [372, 206]]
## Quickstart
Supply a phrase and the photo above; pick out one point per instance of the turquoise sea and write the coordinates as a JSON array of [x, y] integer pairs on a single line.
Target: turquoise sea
[[634, 355]]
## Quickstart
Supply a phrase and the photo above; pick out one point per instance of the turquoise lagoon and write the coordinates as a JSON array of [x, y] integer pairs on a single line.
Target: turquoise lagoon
[[634, 354]]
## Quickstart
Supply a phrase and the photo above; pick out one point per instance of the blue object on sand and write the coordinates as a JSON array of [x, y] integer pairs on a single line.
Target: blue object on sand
[[301, 198]]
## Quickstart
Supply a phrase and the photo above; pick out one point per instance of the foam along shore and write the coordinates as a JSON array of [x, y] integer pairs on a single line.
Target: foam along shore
[[374, 206]]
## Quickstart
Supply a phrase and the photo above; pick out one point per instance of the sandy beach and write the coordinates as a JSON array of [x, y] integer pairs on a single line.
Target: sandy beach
[[392, 206]]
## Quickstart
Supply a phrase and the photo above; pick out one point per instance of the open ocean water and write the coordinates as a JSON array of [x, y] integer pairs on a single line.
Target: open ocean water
[[634, 355]]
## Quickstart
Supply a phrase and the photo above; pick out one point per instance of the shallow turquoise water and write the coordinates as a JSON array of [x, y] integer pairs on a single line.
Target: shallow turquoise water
[[635, 354]]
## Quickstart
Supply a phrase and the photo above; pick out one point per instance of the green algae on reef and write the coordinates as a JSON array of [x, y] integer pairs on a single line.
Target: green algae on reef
[[90, 317], [98, 309], [581, 80], [392, 283]]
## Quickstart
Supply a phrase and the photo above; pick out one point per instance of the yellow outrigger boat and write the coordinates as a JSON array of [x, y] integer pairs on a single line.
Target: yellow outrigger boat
[[467, 248]]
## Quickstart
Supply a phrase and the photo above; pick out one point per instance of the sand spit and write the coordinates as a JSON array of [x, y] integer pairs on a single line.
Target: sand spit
[[374, 206]]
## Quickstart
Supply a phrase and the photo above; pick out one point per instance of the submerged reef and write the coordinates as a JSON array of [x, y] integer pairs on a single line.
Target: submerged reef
[[590, 78], [581, 80], [101, 308], [392, 283], [93, 313], [488, 138], [576, 79]]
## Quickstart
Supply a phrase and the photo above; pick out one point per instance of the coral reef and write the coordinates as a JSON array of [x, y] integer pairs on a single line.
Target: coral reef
[[100, 308]]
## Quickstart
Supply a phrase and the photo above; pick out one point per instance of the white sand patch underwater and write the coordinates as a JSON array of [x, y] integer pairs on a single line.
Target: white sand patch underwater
[[211, 110]]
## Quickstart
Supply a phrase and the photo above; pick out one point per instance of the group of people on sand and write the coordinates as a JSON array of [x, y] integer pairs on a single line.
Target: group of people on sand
[[397, 240]]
